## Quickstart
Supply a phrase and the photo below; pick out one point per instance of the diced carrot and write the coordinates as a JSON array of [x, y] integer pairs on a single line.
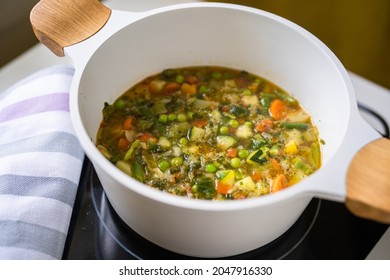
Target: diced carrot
[[128, 123], [242, 81], [123, 144], [278, 109], [144, 137], [275, 164], [279, 183], [257, 176], [223, 188], [264, 125], [171, 87], [174, 178], [192, 79], [232, 152], [188, 89], [199, 123]]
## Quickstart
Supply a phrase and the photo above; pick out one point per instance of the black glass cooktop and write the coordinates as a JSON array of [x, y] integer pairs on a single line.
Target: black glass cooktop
[[325, 230]]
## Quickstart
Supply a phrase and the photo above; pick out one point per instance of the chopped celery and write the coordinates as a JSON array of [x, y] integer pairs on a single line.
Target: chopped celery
[[130, 151]]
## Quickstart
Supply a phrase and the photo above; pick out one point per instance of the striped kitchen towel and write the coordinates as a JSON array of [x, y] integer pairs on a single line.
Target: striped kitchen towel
[[40, 166]]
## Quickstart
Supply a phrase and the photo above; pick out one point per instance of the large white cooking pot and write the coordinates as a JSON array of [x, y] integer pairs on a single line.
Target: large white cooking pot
[[131, 46]]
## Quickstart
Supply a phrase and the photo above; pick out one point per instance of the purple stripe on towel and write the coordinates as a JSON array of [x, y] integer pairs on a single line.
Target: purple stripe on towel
[[45, 103]]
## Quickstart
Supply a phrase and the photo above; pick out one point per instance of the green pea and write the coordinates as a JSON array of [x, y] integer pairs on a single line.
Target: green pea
[[243, 153], [172, 117], [177, 161], [183, 142], [203, 89], [190, 115], [224, 130], [217, 75], [233, 123], [211, 168], [249, 124], [235, 162], [179, 79], [247, 92], [119, 104], [181, 117], [163, 165], [163, 118]]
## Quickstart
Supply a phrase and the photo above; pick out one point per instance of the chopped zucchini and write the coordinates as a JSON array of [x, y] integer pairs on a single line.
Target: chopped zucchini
[[260, 156], [238, 111], [246, 184], [196, 134], [204, 188], [225, 142], [164, 142], [250, 100], [177, 130]]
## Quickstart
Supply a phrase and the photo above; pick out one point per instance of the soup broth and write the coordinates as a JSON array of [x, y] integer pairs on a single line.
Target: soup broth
[[210, 133]]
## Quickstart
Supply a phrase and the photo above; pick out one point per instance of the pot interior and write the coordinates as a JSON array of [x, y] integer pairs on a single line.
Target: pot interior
[[230, 36]]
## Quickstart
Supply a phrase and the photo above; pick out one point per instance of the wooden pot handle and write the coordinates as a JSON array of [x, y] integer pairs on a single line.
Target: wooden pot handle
[[368, 182], [61, 23]]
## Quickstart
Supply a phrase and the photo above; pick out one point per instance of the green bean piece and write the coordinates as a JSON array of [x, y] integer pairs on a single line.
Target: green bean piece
[[285, 97], [296, 125], [316, 154]]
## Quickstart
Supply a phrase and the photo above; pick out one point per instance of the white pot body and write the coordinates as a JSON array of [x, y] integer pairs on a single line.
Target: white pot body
[[221, 35]]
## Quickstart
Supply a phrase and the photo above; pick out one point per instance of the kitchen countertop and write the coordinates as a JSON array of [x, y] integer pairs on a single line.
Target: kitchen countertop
[[39, 57]]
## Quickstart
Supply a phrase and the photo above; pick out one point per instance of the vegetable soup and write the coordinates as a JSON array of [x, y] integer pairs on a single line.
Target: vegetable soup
[[210, 133]]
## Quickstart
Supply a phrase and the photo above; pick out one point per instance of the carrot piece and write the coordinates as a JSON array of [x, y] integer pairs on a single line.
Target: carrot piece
[[128, 123], [188, 89], [171, 87], [279, 183], [199, 123], [123, 144], [275, 164], [223, 188], [278, 109], [174, 178], [232, 152], [264, 125], [145, 137], [192, 80], [257, 176]]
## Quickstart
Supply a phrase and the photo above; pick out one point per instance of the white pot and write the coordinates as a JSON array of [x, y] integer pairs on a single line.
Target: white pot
[[132, 46]]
